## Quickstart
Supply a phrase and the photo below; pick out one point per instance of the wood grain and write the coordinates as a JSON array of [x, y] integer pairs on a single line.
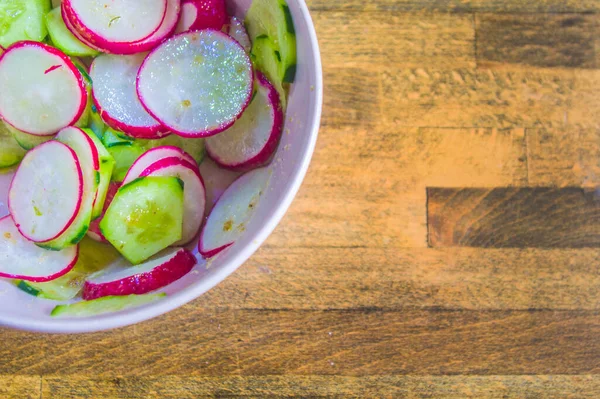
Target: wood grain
[[376, 195], [357, 342], [20, 387], [345, 299], [397, 279], [460, 6], [439, 387], [443, 40], [513, 218], [545, 40], [564, 157]]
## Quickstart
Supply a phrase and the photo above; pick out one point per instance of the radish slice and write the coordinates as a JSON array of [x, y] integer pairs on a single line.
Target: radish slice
[[75, 32], [116, 98], [238, 32], [187, 17], [194, 193], [94, 231], [115, 25], [196, 84], [202, 14], [89, 160], [153, 155], [253, 139], [42, 90], [22, 259], [124, 279], [232, 212], [46, 192], [166, 29]]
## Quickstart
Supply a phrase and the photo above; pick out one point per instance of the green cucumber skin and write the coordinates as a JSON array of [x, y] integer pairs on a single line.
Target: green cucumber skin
[[145, 217], [108, 304], [24, 286], [273, 19]]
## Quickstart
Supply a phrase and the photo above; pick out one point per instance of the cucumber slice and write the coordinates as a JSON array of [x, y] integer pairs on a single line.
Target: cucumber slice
[[107, 165], [25, 140], [63, 39], [145, 217], [22, 20], [93, 257], [124, 152], [11, 152], [96, 123], [264, 55], [108, 304], [273, 19]]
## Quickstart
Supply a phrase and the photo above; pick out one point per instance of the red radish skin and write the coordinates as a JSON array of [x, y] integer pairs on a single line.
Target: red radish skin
[[208, 14], [38, 256], [151, 132], [264, 155], [177, 265], [212, 130], [75, 32], [94, 230], [114, 95], [11, 205], [99, 42], [152, 156], [194, 192], [69, 65]]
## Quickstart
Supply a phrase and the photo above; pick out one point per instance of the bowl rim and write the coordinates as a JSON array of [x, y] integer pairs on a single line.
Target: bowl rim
[[188, 294]]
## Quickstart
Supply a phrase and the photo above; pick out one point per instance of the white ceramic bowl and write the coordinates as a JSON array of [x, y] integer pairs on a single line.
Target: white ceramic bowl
[[22, 311]]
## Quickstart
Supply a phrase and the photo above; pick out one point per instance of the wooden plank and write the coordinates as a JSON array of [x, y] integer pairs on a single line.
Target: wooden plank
[[357, 39], [545, 40], [439, 387], [396, 279], [20, 387], [509, 97], [513, 217], [352, 97], [366, 187], [564, 157], [358, 342], [460, 6]]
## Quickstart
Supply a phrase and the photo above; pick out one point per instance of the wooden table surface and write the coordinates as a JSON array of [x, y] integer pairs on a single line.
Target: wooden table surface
[[445, 243]]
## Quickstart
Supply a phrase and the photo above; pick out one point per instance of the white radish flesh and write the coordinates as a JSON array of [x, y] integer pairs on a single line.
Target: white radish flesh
[[22, 259], [115, 96], [253, 138], [196, 84], [42, 90], [238, 32], [152, 156], [232, 212], [45, 194], [111, 24]]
